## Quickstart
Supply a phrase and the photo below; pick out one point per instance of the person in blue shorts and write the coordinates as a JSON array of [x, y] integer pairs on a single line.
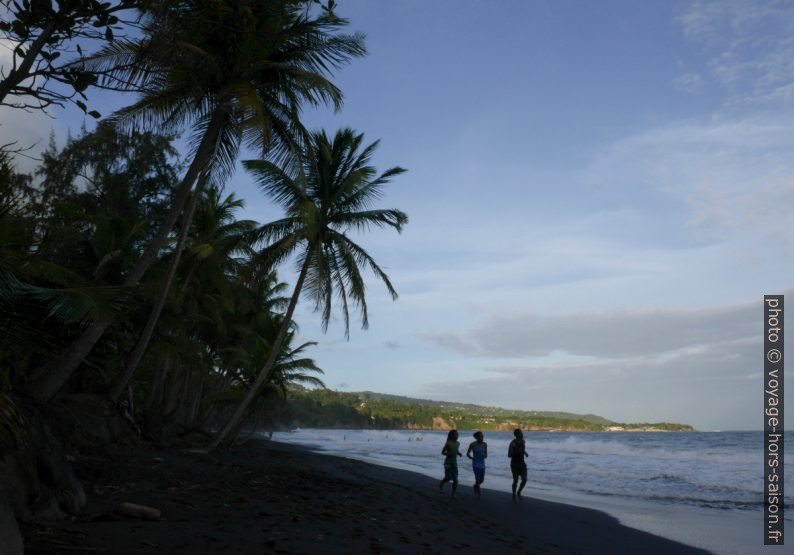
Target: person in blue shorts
[[451, 451], [478, 452]]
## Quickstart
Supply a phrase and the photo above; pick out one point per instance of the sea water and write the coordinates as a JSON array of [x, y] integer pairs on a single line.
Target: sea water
[[703, 488]]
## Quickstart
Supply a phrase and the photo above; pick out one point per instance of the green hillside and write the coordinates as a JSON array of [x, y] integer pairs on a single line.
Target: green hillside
[[485, 410], [323, 408]]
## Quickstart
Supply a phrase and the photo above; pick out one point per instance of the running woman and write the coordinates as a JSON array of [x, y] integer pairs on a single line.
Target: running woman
[[451, 451]]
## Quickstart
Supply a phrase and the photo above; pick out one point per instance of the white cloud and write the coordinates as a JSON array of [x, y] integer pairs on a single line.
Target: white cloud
[[709, 386], [687, 365], [748, 46], [607, 335], [700, 19], [28, 129], [24, 128], [690, 82], [733, 174]]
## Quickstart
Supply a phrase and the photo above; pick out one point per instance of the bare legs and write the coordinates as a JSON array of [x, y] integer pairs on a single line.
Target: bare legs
[[516, 476], [444, 481], [479, 478]]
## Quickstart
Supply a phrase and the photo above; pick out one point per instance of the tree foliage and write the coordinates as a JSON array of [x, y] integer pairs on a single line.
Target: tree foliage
[[93, 239], [322, 408], [46, 41], [231, 71], [66, 244]]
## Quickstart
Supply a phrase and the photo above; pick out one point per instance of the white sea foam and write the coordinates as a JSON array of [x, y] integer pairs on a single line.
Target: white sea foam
[[616, 446], [717, 470]]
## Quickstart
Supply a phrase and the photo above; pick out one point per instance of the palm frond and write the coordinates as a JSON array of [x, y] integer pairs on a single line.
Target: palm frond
[[363, 258], [275, 182], [363, 221]]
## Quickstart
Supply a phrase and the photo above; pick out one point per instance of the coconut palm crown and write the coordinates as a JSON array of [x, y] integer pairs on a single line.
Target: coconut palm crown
[[330, 193], [250, 64]]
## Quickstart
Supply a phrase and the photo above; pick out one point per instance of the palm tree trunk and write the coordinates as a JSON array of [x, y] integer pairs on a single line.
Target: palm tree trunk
[[264, 374], [196, 406], [190, 274], [57, 370], [179, 413], [173, 393], [158, 384], [146, 335]]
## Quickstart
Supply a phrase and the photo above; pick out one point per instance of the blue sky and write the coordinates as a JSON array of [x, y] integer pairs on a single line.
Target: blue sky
[[598, 197]]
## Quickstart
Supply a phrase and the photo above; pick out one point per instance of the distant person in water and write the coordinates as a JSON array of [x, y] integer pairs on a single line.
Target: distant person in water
[[451, 451], [518, 466], [478, 452]]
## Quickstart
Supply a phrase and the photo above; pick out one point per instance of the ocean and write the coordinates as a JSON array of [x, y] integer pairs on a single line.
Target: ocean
[[660, 482]]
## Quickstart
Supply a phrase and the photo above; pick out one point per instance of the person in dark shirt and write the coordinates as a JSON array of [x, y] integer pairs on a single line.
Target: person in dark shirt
[[518, 466], [451, 452]]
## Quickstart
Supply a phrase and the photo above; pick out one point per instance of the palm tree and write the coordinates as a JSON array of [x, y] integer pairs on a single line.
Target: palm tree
[[218, 237], [218, 242], [215, 328], [233, 72], [290, 368], [326, 195]]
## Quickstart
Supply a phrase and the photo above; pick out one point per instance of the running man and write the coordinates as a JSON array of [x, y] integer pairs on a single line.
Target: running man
[[478, 452], [517, 453]]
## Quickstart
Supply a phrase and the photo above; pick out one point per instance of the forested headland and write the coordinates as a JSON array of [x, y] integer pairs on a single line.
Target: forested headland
[[323, 408]]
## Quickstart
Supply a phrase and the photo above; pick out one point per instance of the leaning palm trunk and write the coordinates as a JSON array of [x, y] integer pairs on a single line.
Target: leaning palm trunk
[[146, 335], [172, 396], [157, 386], [196, 404], [236, 418], [57, 371], [179, 412]]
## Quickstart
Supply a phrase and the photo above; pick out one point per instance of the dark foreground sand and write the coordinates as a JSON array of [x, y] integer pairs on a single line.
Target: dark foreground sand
[[266, 497]]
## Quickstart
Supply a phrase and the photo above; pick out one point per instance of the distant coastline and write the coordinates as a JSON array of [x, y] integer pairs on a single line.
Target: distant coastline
[[647, 428], [323, 408]]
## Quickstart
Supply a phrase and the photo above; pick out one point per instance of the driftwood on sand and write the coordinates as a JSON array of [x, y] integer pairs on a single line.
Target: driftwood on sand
[[138, 511]]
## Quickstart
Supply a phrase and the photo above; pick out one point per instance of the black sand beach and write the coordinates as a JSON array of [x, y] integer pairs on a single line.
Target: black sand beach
[[266, 497]]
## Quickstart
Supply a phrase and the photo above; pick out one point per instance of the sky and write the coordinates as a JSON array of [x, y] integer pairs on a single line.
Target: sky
[[598, 195]]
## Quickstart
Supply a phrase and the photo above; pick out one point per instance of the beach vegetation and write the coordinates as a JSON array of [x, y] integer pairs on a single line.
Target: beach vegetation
[[227, 73], [67, 244], [136, 304]]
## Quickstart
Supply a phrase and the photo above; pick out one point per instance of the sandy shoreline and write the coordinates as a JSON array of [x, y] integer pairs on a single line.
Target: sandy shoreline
[[268, 497]]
